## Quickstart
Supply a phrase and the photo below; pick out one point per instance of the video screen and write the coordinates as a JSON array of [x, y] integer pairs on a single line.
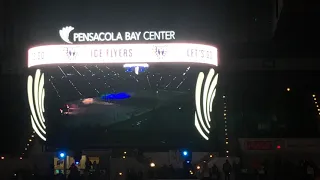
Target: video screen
[[123, 104]]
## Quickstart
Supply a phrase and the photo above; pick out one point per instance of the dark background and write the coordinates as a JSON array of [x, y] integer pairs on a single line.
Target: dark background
[[242, 29]]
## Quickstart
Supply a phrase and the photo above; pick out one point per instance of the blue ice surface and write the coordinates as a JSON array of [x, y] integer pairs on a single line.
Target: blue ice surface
[[115, 96]]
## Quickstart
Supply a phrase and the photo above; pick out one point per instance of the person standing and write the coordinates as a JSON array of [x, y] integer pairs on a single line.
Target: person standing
[[215, 172], [236, 169], [205, 172], [227, 170]]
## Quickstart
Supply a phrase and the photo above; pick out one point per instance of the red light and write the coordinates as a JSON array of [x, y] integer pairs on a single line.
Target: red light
[[278, 147]]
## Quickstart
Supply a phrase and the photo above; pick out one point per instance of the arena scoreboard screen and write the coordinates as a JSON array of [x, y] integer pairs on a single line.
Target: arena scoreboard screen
[[122, 93]]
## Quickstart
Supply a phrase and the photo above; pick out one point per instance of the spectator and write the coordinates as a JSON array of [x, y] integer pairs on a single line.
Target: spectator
[[227, 170], [215, 174], [236, 169]]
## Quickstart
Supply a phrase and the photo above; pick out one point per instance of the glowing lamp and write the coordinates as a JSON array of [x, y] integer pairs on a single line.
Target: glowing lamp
[[62, 155], [185, 153], [152, 164]]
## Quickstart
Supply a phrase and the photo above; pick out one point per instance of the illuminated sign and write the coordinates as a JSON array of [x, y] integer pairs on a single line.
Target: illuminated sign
[[65, 34], [123, 53], [36, 94]]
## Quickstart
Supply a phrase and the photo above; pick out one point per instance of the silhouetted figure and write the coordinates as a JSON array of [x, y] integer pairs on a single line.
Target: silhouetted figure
[[205, 172], [128, 175], [262, 174], [310, 171], [227, 170], [88, 165], [94, 165], [215, 174], [236, 169], [60, 176], [171, 171], [74, 172]]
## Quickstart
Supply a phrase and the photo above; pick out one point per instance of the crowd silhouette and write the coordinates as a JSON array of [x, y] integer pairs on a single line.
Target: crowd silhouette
[[281, 169]]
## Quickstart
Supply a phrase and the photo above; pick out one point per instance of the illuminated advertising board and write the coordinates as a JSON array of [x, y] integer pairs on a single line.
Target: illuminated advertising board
[[122, 53], [66, 36], [122, 92]]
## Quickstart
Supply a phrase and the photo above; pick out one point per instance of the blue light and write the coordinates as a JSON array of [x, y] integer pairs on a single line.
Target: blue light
[[142, 69], [185, 153], [62, 155], [132, 69], [129, 69], [188, 162], [77, 162], [116, 96]]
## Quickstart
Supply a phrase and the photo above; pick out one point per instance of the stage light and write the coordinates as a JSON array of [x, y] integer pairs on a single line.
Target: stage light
[[198, 167], [152, 164], [185, 153], [77, 157], [62, 155]]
